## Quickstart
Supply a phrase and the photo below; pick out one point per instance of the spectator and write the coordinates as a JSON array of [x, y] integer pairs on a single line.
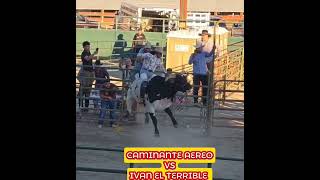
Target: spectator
[[199, 59], [86, 73], [125, 64], [208, 44], [139, 40], [103, 76], [119, 46], [108, 99]]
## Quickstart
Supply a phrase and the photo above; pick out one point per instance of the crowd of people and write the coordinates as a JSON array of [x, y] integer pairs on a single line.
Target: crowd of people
[[148, 63]]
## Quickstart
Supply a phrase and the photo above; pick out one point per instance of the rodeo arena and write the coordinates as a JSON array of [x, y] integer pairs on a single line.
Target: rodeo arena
[[159, 74]]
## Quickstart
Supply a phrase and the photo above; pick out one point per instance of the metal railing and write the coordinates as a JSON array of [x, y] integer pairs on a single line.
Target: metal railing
[[161, 24], [221, 86]]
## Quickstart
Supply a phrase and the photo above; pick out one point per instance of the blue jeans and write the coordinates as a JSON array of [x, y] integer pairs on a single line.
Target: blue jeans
[[148, 73], [105, 104]]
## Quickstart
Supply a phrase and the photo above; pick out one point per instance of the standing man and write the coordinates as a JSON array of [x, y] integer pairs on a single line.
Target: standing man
[[208, 44], [200, 59], [119, 46], [86, 73], [139, 40]]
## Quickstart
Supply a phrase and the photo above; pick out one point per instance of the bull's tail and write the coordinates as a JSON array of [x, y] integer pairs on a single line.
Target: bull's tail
[[129, 100]]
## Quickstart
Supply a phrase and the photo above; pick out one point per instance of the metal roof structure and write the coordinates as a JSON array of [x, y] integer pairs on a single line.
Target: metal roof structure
[[193, 5]]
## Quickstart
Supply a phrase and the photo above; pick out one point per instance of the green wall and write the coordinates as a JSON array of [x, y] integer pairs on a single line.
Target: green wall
[[104, 39]]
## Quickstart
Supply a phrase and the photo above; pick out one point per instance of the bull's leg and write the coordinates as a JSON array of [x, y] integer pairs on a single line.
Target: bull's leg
[[154, 121], [169, 112], [147, 118]]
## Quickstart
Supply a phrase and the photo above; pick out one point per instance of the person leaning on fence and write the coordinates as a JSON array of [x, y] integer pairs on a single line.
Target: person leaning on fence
[[199, 60], [108, 101], [86, 73], [152, 65], [208, 44], [102, 76]]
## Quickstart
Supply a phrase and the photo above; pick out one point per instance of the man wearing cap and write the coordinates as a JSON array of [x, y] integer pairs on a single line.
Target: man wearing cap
[[152, 63], [200, 59], [86, 73]]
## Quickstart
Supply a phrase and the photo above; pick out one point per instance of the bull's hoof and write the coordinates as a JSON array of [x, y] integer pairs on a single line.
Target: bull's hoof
[[156, 134], [175, 125]]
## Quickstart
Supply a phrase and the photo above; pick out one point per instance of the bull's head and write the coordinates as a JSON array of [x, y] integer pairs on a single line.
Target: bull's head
[[179, 82]]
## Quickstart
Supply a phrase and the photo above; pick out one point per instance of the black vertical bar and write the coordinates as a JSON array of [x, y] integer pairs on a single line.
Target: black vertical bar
[[131, 165]]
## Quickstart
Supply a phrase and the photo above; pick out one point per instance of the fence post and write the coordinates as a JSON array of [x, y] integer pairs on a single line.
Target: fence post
[[80, 92], [209, 165], [209, 88], [131, 165], [241, 66], [163, 24], [224, 89]]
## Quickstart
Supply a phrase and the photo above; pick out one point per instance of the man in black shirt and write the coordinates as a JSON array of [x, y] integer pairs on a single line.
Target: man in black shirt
[[86, 73], [139, 40]]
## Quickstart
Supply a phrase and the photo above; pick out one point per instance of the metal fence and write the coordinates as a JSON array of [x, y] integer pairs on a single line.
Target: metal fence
[[152, 24], [126, 25], [226, 79], [226, 71]]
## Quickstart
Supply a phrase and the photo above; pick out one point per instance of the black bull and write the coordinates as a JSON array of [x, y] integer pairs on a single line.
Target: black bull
[[158, 96]]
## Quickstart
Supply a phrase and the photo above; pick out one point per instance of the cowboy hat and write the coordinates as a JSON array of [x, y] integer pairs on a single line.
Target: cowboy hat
[[148, 45], [158, 50], [205, 32]]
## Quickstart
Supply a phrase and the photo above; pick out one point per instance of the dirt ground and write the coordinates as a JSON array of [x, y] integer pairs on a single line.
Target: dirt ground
[[227, 141], [226, 135]]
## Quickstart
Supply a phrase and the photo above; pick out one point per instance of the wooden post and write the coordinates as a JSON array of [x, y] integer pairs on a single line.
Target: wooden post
[[183, 14], [210, 90], [102, 15]]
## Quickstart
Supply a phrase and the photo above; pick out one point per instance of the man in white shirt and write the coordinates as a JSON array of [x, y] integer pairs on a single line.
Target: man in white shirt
[[139, 59], [152, 63], [207, 45]]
